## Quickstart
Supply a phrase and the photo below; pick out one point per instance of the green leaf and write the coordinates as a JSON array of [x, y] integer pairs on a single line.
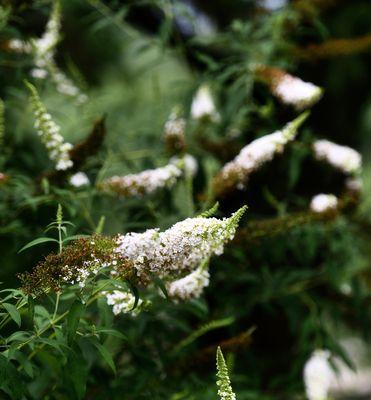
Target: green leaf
[[135, 291], [36, 242], [111, 332], [202, 330], [18, 336], [10, 379], [73, 319], [76, 374], [158, 282], [13, 312], [106, 356]]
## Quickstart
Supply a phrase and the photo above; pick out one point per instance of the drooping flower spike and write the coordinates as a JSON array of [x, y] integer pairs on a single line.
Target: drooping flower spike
[[190, 286]]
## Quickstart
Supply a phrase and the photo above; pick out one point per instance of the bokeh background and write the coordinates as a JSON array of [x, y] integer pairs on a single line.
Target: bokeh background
[[293, 290]]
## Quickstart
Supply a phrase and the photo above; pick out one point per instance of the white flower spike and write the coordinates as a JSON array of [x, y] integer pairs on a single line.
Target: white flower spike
[[255, 154], [49, 133], [343, 158], [182, 248], [145, 182], [318, 375]]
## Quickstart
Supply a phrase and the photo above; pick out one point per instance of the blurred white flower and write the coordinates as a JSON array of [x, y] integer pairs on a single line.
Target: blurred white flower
[[343, 158], [79, 179], [203, 105], [188, 162], [19, 45], [49, 133], [175, 125], [39, 73], [258, 152], [349, 383], [354, 184], [323, 202], [273, 5], [318, 375], [145, 182], [295, 92]]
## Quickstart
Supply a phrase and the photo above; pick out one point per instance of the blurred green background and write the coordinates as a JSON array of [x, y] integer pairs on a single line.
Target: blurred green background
[[136, 60]]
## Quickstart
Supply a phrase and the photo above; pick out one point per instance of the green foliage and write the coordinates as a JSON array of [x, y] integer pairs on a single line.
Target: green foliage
[[300, 279]]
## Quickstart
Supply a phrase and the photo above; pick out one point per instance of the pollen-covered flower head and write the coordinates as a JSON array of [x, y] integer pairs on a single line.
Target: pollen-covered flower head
[[318, 375], [179, 249], [343, 158]]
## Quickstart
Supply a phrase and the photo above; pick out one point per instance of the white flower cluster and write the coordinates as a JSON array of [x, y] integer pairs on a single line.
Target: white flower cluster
[[65, 85], [174, 128], [186, 162], [191, 286], [19, 46], [79, 275], [295, 92], [203, 105], [318, 375], [79, 179], [43, 48], [323, 202], [49, 133], [258, 152], [145, 182], [181, 248], [43, 51], [343, 158], [122, 302]]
